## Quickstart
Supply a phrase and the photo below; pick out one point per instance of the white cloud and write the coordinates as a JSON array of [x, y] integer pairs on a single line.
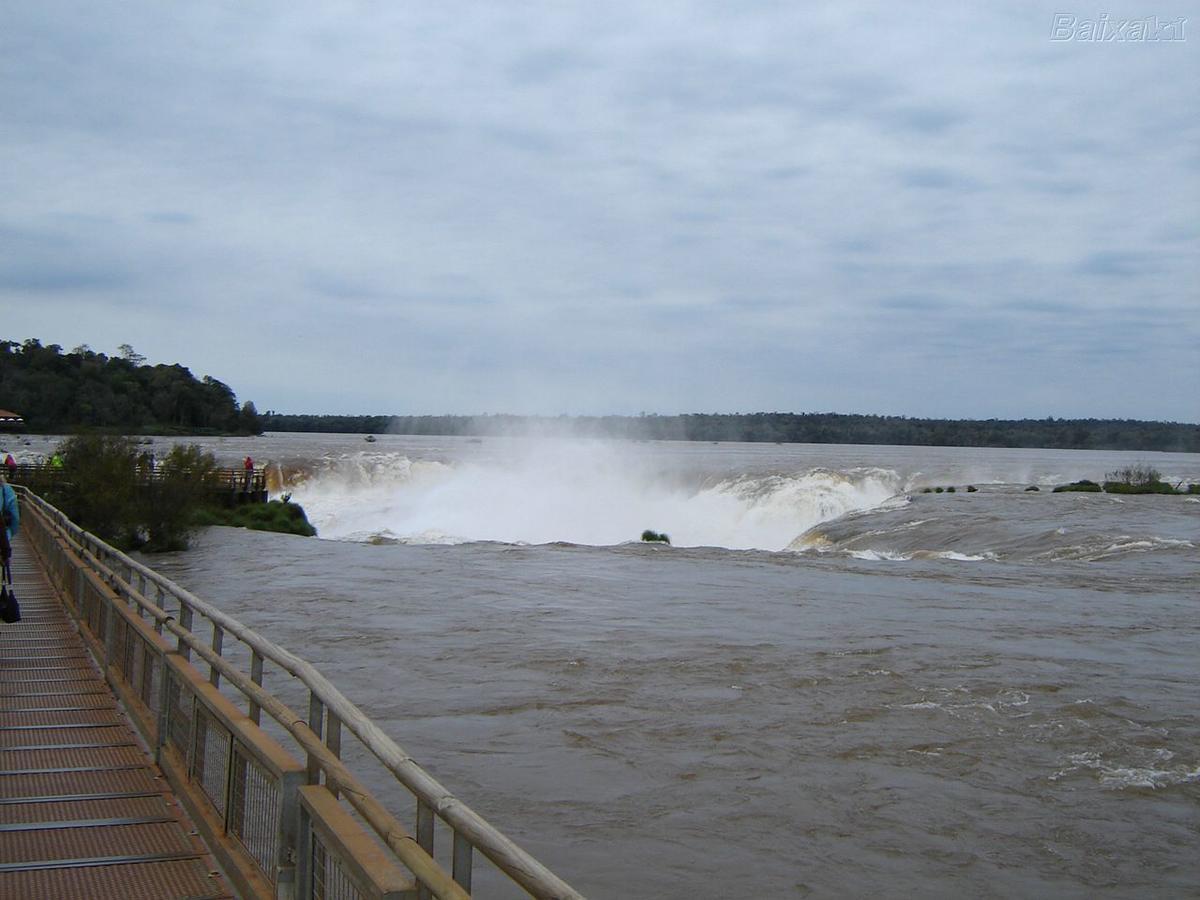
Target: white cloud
[[453, 208]]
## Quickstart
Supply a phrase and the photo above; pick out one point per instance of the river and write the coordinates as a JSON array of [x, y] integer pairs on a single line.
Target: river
[[831, 684]]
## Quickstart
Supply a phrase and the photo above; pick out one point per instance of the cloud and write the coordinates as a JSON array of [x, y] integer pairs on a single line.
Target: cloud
[[936, 178], [171, 218], [1115, 264], [463, 208]]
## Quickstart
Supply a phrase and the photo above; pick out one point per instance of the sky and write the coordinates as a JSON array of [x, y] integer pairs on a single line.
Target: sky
[[927, 209]]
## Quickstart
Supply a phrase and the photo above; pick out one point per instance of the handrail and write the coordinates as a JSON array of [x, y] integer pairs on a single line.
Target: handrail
[[517, 864], [230, 478]]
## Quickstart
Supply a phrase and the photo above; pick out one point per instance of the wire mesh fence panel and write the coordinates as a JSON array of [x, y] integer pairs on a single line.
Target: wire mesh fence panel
[[329, 879], [179, 715], [123, 641], [254, 809], [210, 760], [150, 677]]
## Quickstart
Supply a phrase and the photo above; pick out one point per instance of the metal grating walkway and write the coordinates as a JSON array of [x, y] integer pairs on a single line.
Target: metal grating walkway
[[84, 812]]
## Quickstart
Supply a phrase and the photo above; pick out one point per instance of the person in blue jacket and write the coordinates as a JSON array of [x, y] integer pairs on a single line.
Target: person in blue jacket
[[12, 512]]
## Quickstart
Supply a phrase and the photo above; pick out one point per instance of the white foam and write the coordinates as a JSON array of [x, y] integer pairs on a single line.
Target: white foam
[[878, 555], [585, 492], [1118, 777], [897, 556]]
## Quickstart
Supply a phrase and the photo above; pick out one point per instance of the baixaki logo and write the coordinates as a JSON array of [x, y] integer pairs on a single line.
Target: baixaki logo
[[1106, 29]]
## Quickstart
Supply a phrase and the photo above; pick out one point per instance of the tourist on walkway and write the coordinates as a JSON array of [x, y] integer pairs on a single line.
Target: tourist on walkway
[[12, 517]]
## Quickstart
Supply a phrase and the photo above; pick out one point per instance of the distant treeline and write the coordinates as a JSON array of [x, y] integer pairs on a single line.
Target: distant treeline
[[812, 428], [57, 391]]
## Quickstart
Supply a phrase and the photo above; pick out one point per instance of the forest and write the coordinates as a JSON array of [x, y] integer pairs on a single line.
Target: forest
[[60, 392], [814, 428]]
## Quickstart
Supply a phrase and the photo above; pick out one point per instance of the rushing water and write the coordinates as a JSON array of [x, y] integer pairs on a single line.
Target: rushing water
[[832, 684]]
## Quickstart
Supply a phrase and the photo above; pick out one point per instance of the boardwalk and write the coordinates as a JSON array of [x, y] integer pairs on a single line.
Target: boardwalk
[[84, 812]]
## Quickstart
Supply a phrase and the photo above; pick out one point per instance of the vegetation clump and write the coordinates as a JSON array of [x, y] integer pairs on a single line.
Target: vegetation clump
[[1032, 487], [1138, 479], [654, 537], [112, 489], [1082, 486], [281, 516], [109, 489]]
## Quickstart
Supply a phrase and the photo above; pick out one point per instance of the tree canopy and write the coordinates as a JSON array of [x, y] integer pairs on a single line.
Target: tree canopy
[[57, 391], [812, 428]]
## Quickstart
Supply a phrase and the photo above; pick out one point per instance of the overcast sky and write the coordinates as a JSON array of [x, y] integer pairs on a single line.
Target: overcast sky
[[613, 207]]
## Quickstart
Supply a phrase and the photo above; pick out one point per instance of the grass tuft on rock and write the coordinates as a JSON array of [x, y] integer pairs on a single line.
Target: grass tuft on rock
[[281, 516], [1082, 486]]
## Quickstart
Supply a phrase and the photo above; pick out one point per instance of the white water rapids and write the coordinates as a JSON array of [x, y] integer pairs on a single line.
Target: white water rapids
[[575, 492]]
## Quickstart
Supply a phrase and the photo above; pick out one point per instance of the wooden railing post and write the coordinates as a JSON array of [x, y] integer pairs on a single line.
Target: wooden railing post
[[461, 863], [185, 619], [333, 740], [424, 839], [218, 642], [316, 716], [161, 602], [256, 675]]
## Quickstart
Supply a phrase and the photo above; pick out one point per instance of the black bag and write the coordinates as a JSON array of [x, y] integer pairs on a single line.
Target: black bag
[[10, 609]]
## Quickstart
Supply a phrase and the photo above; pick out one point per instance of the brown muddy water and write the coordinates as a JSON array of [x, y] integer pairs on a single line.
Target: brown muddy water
[[832, 685]]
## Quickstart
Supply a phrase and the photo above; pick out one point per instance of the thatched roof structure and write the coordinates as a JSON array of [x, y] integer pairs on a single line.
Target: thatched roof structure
[[9, 419]]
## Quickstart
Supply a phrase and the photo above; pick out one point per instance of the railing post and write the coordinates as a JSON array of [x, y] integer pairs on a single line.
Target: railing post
[[333, 740], [256, 675], [230, 774], [164, 712], [218, 642], [461, 863], [110, 628], [316, 716], [185, 619], [424, 839], [289, 866], [79, 580], [161, 602]]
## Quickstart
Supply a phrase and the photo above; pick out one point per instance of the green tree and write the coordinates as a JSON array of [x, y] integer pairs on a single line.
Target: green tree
[[99, 492], [168, 502]]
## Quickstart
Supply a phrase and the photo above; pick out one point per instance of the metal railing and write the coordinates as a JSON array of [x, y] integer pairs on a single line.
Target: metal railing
[[281, 826], [237, 480]]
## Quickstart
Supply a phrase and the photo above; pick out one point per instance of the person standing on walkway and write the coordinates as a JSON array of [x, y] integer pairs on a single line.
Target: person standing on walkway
[[10, 465], [11, 517], [249, 467]]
